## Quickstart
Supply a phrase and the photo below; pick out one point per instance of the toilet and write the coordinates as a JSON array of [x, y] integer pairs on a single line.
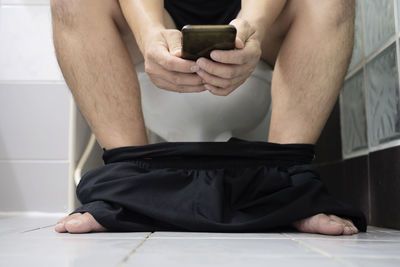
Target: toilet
[[194, 117]]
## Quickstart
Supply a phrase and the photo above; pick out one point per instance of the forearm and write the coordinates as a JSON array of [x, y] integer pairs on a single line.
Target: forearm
[[261, 14], [144, 18]]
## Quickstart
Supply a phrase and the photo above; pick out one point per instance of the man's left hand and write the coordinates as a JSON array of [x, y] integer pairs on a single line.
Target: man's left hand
[[231, 68]]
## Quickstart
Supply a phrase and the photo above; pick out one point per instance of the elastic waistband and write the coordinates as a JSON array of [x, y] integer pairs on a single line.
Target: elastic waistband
[[233, 151]]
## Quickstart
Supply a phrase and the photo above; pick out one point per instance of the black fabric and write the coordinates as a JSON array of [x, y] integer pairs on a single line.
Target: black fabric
[[233, 186], [202, 11]]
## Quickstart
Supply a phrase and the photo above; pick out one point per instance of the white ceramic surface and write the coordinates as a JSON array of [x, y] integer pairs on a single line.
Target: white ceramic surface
[[207, 117], [31, 241]]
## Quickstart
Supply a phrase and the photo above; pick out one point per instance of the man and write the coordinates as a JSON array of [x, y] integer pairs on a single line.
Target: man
[[308, 42]]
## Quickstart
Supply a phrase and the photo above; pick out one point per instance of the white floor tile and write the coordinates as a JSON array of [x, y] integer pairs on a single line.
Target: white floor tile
[[32, 241], [205, 235], [65, 251], [19, 224], [370, 262], [372, 234], [355, 248], [213, 260]]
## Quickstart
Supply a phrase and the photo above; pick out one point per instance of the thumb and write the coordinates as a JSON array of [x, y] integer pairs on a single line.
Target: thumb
[[243, 32], [174, 42]]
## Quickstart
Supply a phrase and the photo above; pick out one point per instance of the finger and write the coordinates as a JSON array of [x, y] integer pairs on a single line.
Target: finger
[[178, 78], [166, 85], [221, 91], [243, 32], [172, 63], [217, 81], [222, 70], [174, 41], [237, 56]]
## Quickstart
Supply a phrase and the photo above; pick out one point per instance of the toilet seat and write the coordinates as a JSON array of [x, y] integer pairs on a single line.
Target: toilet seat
[[203, 116]]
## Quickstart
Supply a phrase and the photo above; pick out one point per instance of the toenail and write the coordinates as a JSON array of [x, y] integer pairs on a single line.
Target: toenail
[[74, 221], [334, 223]]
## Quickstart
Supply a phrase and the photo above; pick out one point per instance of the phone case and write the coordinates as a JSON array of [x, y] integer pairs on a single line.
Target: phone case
[[199, 40]]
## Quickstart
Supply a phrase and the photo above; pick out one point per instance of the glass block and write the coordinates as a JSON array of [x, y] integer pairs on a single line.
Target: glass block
[[354, 121], [382, 84], [379, 23], [357, 49], [398, 14]]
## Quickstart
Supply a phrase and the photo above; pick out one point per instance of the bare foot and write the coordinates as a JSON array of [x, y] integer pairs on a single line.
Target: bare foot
[[326, 224], [79, 223]]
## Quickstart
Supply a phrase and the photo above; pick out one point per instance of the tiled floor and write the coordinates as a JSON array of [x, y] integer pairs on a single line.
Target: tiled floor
[[31, 241]]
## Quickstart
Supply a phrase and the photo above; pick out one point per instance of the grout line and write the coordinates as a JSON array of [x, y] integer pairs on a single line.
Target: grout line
[[319, 251], [72, 132], [126, 258], [38, 228]]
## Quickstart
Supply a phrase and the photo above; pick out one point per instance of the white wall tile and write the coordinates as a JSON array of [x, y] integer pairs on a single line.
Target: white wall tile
[[26, 46], [33, 186], [34, 121]]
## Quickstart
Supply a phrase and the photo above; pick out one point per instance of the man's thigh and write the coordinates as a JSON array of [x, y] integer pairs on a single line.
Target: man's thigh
[[129, 38]]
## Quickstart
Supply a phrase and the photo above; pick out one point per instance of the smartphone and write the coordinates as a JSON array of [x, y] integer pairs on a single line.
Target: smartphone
[[199, 40]]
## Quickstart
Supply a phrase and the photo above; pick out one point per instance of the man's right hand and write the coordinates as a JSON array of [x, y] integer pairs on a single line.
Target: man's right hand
[[166, 68]]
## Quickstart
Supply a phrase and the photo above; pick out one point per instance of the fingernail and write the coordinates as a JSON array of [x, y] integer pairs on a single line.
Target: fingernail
[[354, 229], [74, 221], [215, 55], [203, 81], [201, 63], [334, 223], [176, 51], [194, 68], [348, 229], [58, 225], [207, 87]]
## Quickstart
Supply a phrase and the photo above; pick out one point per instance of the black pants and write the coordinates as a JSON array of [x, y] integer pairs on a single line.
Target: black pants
[[233, 186]]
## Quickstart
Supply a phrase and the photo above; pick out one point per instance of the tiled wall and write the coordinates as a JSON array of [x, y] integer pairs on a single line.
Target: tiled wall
[[366, 170], [37, 138]]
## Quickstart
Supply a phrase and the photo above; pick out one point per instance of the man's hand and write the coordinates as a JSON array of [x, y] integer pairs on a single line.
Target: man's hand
[[232, 67], [165, 67]]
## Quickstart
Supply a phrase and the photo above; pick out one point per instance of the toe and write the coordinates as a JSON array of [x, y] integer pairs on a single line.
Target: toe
[[349, 227], [68, 217], [328, 226], [85, 223], [60, 227], [77, 225], [320, 224]]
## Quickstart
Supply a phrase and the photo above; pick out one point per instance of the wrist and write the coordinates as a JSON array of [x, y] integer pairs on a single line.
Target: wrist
[[258, 27], [145, 36]]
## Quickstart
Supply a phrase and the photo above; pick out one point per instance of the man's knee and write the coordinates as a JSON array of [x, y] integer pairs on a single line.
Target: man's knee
[[72, 13], [331, 13], [64, 11]]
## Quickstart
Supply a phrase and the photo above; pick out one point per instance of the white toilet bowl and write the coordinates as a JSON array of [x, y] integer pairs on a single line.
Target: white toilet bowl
[[203, 116]]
